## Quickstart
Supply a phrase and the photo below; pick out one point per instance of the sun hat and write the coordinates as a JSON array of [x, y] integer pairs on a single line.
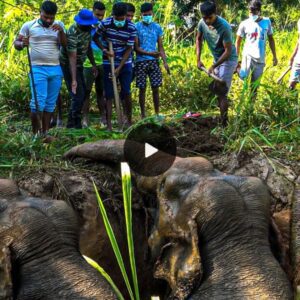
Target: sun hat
[[85, 17]]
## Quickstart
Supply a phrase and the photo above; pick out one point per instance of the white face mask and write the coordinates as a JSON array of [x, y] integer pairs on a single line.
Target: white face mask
[[254, 18]]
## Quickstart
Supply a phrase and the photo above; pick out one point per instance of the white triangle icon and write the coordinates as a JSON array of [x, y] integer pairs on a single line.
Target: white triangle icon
[[149, 150]]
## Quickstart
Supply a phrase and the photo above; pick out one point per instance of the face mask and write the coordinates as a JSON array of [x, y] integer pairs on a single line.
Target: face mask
[[85, 28], [254, 18], [44, 23], [119, 23], [147, 19]]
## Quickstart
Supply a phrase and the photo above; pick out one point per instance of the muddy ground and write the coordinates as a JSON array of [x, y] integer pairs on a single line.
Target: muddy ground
[[194, 138]]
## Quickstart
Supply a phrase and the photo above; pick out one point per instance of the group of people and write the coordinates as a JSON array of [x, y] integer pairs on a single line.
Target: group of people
[[82, 56]]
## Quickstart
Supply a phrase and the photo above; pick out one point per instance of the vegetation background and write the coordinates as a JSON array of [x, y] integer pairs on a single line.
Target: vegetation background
[[272, 127]]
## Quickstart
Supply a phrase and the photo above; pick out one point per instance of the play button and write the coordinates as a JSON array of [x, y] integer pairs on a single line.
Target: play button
[[150, 149]]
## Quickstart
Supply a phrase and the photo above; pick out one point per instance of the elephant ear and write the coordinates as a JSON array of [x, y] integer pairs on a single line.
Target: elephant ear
[[180, 264]]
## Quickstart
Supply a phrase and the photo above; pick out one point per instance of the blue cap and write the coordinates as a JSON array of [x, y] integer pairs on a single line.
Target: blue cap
[[85, 17]]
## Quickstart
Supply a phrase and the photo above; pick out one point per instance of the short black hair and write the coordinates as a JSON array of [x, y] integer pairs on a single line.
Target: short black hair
[[146, 7], [49, 7], [98, 5], [119, 9], [130, 7], [255, 5], [208, 8]]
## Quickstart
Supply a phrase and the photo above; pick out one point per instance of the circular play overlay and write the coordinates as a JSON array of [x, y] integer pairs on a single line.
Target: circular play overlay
[[150, 149]]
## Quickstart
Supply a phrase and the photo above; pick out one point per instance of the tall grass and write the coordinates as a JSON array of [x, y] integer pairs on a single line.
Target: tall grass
[[126, 186]]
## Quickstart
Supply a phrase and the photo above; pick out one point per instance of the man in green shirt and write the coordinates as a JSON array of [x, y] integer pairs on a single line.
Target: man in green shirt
[[72, 58], [217, 33], [99, 12]]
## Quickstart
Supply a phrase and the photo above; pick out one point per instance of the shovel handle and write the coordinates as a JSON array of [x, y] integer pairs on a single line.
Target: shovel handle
[[283, 74], [215, 77]]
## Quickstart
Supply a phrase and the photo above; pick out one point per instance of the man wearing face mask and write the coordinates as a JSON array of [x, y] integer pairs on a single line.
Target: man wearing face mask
[[256, 30], [72, 58], [43, 37], [149, 48], [121, 32], [217, 32], [99, 12]]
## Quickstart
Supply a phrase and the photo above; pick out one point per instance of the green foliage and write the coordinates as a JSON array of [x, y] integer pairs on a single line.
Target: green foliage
[[126, 187]]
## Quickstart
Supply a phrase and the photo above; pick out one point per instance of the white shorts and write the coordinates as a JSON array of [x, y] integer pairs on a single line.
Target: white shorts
[[251, 67], [295, 73]]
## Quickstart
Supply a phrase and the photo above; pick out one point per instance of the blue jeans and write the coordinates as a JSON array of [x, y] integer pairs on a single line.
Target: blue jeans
[[77, 100], [125, 78], [47, 82]]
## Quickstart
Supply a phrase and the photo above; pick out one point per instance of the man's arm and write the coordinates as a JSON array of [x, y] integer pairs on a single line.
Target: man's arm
[[73, 60], [139, 50], [124, 59], [238, 43], [162, 52], [224, 57], [294, 53], [273, 49], [90, 56], [21, 42], [199, 44], [62, 37]]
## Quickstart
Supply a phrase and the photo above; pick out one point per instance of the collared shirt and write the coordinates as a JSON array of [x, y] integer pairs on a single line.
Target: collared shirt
[[256, 34], [77, 41], [43, 43], [215, 35], [121, 38], [148, 35]]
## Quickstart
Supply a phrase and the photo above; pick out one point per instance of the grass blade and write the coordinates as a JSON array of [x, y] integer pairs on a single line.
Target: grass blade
[[127, 197], [105, 275], [113, 242]]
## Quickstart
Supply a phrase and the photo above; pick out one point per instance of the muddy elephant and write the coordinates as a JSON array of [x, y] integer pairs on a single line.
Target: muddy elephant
[[210, 240], [42, 238]]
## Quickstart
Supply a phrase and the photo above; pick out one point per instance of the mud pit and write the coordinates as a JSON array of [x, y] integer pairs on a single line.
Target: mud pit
[[194, 138]]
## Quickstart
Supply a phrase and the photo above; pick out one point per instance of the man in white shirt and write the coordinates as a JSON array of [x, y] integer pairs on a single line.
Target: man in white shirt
[[256, 30], [43, 37], [295, 64]]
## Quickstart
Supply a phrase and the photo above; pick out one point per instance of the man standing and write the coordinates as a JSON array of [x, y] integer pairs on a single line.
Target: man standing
[[217, 33], [99, 12], [149, 48], [72, 58], [130, 11], [43, 37], [295, 63], [121, 32], [257, 30]]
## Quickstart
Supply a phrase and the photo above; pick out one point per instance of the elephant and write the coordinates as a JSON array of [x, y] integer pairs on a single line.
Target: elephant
[[210, 239], [42, 240]]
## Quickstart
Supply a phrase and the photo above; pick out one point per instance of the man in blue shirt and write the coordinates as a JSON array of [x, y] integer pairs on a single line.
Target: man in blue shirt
[[121, 32], [217, 33], [149, 48]]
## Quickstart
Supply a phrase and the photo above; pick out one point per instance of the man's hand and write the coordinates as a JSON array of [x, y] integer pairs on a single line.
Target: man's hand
[[74, 86], [117, 71], [167, 68], [275, 61], [25, 41], [95, 71], [155, 54], [108, 53], [200, 65], [57, 27], [211, 70]]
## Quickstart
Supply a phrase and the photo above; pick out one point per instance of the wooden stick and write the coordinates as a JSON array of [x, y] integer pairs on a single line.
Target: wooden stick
[[279, 80], [115, 86], [212, 75]]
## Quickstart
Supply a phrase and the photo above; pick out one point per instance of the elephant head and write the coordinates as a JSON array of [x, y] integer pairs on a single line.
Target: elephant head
[[42, 239], [210, 239]]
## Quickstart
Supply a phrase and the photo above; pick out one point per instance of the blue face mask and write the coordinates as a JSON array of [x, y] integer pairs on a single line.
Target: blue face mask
[[254, 18], [119, 24], [147, 19]]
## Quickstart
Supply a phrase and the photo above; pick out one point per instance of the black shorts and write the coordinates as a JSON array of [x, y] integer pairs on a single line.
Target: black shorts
[[148, 68]]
